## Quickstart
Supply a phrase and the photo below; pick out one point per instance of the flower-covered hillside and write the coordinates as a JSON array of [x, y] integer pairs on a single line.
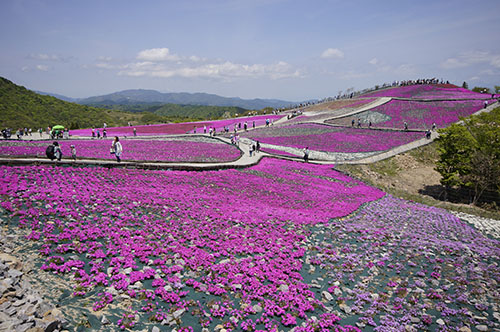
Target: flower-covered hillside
[[278, 246], [173, 149], [428, 91], [179, 128], [417, 114], [331, 139], [194, 248]]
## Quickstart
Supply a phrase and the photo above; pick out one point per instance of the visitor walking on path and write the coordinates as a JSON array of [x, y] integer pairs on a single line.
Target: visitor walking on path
[[117, 149], [73, 152], [57, 151], [306, 154]]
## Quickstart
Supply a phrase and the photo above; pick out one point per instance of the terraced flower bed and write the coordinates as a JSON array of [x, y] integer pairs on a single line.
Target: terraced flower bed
[[330, 139], [428, 92], [418, 114], [178, 128], [190, 249], [182, 149]]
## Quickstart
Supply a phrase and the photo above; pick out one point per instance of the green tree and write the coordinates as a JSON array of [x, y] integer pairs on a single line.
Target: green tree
[[465, 85], [470, 154], [481, 89], [497, 88]]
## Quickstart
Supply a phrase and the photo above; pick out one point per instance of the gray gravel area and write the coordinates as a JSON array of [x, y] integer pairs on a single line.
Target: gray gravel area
[[486, 226]]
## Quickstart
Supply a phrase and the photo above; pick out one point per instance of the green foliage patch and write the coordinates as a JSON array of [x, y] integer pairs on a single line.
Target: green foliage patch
[[469, 154]]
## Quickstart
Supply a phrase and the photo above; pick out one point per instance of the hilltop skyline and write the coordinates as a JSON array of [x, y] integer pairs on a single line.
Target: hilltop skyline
[[248, 49]]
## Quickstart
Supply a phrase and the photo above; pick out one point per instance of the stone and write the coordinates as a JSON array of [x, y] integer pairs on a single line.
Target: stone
[[415, 320], [464, 329], [49, 323], [345, 308], [283, 288], [481, 328], [24, 327], [155, 329], [11, 261], [56, 312], [178, 313], [4, 306], [19, 302], [14, 274], [104, 320], [3, 289], [7, 326], [327, 296], [257, 308], [35, 329], [440, 322], [11, 311]]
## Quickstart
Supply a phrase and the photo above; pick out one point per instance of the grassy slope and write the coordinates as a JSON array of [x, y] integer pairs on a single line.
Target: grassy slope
[[407, 176]]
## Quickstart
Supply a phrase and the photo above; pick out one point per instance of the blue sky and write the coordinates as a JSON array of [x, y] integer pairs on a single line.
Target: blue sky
[[292, 50]]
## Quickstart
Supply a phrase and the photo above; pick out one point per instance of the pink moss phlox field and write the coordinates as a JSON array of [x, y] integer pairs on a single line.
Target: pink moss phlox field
[[429, 92], [236, 236], [178, 128], [179, 150], [418, 114], [423, 263], [330, 139]]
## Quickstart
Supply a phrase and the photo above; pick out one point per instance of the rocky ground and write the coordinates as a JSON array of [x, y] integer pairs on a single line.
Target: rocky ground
[[22, 307]]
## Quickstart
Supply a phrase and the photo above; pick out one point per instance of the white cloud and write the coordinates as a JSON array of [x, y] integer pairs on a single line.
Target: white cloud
[[104, 58], [48, 57], [373, 61], [159, 62], [157, 54], [332, 53], [42, 67], [226, 70], [469, 58], [105, 65], [25, 69], [452, 63]]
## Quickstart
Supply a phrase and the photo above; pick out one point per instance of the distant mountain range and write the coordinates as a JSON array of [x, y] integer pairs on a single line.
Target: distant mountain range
[[140, 96]]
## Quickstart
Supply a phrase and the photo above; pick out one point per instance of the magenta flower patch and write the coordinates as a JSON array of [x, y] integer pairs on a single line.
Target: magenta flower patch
[[179, 128], [417, 114], [429, 91], [187, 149], [237, 237], [330, 139]]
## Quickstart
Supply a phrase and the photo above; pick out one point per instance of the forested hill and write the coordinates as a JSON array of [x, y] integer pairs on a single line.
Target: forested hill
[[141, 96], [176, 111], [20, 107]]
